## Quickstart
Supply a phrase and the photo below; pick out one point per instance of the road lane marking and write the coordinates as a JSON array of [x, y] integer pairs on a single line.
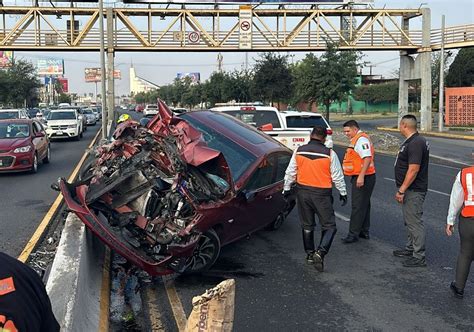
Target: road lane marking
[[175, 302], [432, 190], [156, 323], [449, 159], [105, 293], [52, 210]]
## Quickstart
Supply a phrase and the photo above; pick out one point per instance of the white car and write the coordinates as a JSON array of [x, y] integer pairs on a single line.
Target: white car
[[290, 128], [13, 114], [64, 123], [150, 110]]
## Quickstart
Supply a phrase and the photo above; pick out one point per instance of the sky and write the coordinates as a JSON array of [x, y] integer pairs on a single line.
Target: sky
[[162, 67]]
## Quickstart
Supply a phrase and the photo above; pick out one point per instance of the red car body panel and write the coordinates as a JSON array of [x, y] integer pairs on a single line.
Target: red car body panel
[[14, 162], [140, 239]]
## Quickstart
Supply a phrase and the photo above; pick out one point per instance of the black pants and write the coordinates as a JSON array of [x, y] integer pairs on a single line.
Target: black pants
[[311, 203], [466, 255], [360, 214]]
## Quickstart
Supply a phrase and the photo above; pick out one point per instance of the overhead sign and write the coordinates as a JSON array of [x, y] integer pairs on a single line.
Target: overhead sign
[[95, 74], [50, 67], [245, 27], [6, 59], [195, 77], [194, 37]]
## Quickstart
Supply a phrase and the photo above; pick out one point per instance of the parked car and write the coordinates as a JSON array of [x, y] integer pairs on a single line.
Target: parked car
[[64, 123], [290, 128], [150, 110], [13, 114], [91, 118], [178, 110], [167, 200], [23, 145], [139, 108], [64, 105]]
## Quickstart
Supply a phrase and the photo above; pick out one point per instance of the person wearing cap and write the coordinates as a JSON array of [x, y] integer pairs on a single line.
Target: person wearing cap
[[358, 164], [123, 117], [315, 168], [462, 199]]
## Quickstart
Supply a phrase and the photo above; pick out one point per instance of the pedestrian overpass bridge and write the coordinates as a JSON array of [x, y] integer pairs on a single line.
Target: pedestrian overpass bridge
[[242, 28]]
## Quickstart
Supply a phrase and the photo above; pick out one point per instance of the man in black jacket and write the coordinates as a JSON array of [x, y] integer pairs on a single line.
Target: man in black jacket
[[24, 303]]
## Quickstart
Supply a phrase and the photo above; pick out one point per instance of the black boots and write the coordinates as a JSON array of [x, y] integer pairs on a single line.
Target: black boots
[[308, 243], [459, 293], [324, 244]]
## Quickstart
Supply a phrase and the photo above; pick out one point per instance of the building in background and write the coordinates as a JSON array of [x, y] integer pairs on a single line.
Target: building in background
[[138, 84]]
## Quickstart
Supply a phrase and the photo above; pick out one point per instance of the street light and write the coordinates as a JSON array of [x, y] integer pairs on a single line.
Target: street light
[[102, 69]]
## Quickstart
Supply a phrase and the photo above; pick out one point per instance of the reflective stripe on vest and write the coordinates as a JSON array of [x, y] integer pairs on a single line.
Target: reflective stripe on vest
[[314, 169], [352, 163], [467, 182]]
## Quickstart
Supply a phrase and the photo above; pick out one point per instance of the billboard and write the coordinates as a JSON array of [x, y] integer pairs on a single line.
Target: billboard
[[195, 77], [95, 74], [64, 84], [6, 59], [50, 67]]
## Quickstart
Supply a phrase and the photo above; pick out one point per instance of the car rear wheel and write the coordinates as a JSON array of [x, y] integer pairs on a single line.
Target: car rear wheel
[[34, 167], [205, 254], [47, 159]]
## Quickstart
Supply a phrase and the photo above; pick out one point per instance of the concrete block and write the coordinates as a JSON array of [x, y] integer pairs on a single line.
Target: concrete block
[[74, 284]]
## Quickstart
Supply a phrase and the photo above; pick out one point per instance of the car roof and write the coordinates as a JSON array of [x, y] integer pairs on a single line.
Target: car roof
[[238, 108], [64, 110], [10, 110], [293, 113], [268, 145], [17, 120]]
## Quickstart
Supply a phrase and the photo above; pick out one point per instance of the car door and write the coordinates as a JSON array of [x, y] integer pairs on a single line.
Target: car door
[[40, 143], [258, 197]]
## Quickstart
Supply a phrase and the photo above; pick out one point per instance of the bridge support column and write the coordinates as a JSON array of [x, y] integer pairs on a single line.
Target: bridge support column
[[110, 67], [406, 63], [425, 72]]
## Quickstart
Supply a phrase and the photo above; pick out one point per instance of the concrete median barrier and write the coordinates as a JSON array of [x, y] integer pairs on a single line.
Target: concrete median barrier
[[75, 281]]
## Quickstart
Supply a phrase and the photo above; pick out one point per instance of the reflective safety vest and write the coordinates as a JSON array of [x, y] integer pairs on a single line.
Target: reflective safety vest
[[314, 165], [352, 163], [467, 182]]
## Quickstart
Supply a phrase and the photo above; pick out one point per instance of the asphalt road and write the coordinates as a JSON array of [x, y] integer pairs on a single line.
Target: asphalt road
[[25, 197], [364, 287]]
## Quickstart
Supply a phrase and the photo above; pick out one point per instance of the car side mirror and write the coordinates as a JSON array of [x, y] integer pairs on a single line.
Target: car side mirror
[[39, 134], [266, 127]]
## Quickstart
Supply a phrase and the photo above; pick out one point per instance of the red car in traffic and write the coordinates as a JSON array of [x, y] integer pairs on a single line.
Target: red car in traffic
[[23, 145], [168, 196]]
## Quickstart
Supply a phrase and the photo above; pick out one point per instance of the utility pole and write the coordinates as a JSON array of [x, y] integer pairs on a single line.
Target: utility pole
[[220, 58], [102, 70], [441, 81]]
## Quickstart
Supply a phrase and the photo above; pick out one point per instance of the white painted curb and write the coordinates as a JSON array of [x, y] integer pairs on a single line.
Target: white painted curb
[[75, 280]]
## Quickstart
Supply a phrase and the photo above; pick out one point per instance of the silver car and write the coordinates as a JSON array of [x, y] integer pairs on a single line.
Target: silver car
[[91, 118]]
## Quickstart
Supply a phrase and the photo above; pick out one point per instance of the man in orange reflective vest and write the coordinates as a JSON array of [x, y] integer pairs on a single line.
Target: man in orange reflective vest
[[315, 168], [358, 164], [462, 198]]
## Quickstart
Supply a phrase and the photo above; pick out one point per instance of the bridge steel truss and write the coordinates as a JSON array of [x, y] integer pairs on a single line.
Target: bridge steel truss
[[221, 29]]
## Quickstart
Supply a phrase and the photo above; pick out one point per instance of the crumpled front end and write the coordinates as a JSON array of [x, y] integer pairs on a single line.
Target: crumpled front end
[[145, 193]]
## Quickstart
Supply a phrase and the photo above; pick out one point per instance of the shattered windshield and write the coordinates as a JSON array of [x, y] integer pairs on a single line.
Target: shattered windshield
[[237, 158]]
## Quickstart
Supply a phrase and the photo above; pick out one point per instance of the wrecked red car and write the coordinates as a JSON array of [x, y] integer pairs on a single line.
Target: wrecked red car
[[168, 196]]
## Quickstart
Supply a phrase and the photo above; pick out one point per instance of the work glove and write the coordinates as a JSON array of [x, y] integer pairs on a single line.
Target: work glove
[[343, 199]]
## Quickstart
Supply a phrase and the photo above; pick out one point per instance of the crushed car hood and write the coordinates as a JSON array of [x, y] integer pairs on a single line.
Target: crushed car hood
[[144, 192]]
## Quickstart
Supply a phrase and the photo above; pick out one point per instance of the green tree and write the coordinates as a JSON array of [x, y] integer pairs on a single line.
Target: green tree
[[461, 71], [22, 84], [217, 87], [272, 78], [337, 75], [305, 87], [64, 98], [364, 93]]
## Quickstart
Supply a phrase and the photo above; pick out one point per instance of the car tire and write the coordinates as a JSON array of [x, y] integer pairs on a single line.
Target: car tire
[[205, 254], [276, 224], [47, 159], [34, 168]]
